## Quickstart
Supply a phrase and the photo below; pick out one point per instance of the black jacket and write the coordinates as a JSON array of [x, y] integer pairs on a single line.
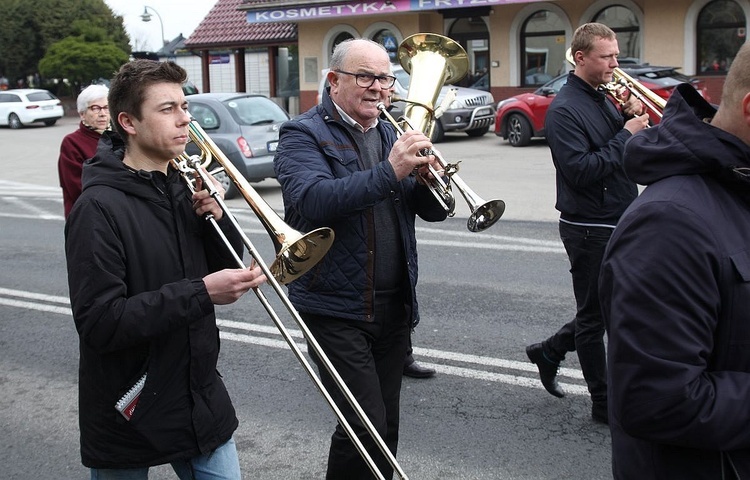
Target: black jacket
[[675, 294], [325, 184], [136, 256], [585, 134]]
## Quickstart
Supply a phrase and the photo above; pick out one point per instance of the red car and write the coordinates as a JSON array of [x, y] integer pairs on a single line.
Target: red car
[[520, 118]]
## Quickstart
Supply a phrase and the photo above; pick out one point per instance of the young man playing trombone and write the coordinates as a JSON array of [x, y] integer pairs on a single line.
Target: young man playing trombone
[[145, 271]]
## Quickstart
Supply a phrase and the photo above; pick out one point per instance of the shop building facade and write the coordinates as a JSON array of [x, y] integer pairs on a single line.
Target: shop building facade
[[513, 45]]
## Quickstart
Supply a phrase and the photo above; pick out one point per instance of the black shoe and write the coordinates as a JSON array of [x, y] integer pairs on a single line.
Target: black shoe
[[547, 369], [415, 370], [599, 412]]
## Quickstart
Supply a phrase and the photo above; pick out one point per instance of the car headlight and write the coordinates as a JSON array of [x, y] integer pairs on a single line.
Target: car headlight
[[455, 105], [506, 102]]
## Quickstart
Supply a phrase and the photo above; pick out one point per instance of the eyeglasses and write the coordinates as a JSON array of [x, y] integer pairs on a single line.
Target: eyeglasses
[[98, 108], [367, 80]]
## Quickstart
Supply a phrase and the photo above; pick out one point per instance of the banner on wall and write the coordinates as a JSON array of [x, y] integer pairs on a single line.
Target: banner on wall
[[351, 9]]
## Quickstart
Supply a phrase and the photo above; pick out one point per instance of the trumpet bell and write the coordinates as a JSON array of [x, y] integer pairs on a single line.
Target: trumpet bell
[[485, 215]]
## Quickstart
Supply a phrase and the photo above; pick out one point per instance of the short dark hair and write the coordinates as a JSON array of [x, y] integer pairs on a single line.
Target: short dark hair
[[126, 91]]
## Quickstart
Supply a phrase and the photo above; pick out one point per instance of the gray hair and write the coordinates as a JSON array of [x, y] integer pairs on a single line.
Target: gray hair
[[89, 94], [342, 49]]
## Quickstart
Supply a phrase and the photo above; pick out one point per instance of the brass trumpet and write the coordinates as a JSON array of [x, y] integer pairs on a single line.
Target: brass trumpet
[[433, 60], [296, 254], [620, 79]]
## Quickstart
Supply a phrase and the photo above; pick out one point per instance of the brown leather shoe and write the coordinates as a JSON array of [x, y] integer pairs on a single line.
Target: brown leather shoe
[[415, 370]]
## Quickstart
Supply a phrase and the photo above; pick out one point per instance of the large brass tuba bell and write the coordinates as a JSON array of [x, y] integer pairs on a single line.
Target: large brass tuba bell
[[433, 60]]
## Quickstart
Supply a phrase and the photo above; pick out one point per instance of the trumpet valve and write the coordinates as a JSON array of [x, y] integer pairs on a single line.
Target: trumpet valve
[[451, 168]]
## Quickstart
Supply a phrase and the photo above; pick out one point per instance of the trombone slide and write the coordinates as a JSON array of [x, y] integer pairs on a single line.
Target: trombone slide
[[191, 165]]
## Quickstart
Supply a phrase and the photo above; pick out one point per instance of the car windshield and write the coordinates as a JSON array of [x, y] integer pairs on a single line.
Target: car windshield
[[555, 85], [665, 77], [255, 111]]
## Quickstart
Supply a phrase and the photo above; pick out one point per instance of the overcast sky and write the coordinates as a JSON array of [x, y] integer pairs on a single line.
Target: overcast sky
[[178, 16]]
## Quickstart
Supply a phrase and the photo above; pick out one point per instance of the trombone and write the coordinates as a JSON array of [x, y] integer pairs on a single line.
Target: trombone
[[296, 254], [652, 101], [433, 60]]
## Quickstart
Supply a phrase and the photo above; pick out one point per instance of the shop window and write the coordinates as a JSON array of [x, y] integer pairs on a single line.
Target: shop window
[[542, 48], [287, 72], [472, 34], [624, 23], [720, 34], [388, 40], [338, 39]]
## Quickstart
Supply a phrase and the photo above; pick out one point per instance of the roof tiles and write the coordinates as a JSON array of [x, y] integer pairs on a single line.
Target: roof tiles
[[226, 26]]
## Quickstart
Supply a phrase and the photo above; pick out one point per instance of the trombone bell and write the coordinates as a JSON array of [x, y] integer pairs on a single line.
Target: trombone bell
[[295, 253], [296, 258]]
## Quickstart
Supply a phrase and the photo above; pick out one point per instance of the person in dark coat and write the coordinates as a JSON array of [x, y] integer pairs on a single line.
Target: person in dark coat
[[144, 272], [675, 293], [586, 135], [80, 145], [340, 167]]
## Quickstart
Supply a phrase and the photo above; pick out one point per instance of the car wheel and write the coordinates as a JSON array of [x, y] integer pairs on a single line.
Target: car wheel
[[230, 190], [49, 123], [438, 134], [519, 131], [14, 121], [478, 132]]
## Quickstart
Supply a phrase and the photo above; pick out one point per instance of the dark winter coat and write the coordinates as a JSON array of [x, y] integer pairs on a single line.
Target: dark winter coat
[[324, 184], [586, 137], [136, 256], [675, 293]]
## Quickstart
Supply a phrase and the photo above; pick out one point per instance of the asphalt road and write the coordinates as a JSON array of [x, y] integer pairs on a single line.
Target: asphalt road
[[483, 298]]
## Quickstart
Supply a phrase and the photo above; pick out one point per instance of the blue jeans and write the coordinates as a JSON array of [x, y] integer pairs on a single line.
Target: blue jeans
[[221, 464]]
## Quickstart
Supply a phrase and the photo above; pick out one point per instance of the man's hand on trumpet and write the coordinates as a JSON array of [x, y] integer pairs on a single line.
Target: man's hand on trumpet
[[407, 155]]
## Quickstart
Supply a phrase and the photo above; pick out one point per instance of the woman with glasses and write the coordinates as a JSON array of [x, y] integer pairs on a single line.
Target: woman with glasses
[[80, 145]]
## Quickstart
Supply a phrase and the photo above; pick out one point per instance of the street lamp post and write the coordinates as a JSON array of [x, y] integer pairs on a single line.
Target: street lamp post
[[146, 17]]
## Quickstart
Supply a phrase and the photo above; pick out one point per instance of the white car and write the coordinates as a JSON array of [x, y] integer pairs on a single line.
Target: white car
[[23, 106]]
